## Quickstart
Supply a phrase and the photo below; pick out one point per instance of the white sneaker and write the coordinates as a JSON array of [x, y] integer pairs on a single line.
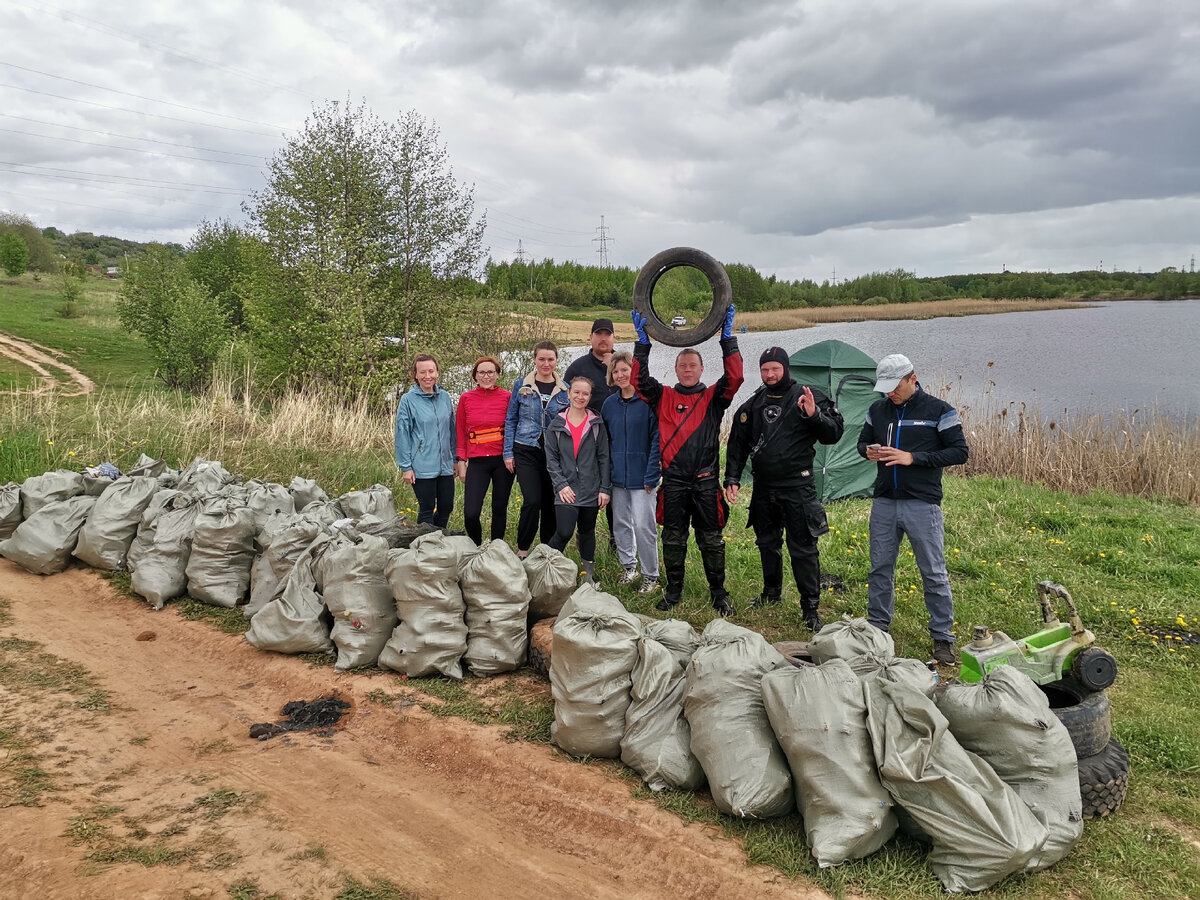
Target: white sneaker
[[630, 575], [649, 585]]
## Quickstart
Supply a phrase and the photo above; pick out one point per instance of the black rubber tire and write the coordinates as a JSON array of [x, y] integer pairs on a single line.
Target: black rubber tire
[[1087, 715], [657, 266], [1094, 668], [1104, 780]]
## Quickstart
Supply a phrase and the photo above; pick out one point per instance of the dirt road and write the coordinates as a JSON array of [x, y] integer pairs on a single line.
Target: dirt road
[[42, 360], [165, 794]]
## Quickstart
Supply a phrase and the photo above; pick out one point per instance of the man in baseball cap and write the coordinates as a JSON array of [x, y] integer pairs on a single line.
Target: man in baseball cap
[[912, 436], [889, 372]]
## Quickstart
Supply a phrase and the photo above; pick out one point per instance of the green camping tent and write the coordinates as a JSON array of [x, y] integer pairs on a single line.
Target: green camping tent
[[847, 375]]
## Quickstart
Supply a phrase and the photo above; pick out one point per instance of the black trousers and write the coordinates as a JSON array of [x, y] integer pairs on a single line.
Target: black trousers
[[484, 472], [435, 499], [799, 512], [701, 505], [537, 496], [568, 517]]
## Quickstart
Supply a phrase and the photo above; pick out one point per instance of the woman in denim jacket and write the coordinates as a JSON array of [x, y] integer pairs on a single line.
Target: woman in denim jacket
[[536, 399]]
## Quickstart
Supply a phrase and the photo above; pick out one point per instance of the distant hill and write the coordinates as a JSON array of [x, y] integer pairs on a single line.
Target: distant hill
[[96, 249]]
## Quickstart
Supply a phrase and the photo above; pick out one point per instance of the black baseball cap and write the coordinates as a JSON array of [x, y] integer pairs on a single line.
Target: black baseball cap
[[602, 325]]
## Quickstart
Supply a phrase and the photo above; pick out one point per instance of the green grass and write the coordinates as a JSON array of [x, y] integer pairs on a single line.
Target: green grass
[[378, 889], [94, 343], [1130, 565]]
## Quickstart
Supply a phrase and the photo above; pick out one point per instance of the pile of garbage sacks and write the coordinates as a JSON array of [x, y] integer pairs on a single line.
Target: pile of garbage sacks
[[860, 743], [346, 575]]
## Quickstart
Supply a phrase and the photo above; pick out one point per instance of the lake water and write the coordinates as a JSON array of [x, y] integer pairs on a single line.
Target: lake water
[[1118, 356]]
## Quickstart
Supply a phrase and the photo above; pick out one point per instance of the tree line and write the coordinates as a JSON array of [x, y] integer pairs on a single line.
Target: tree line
[[576, 286]]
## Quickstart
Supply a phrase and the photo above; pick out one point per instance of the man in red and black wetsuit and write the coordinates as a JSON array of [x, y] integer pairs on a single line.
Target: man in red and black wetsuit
[[689, 427]]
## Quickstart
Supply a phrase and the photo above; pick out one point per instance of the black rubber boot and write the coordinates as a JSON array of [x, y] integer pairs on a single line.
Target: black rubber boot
[[712, 554], [674, 555], [812, 617], [720, 602]]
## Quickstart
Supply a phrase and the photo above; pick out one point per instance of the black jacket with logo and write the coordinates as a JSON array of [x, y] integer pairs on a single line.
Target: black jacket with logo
[[778, 439], [929, 429]]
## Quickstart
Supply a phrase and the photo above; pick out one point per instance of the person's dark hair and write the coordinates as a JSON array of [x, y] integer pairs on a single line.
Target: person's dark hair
[[485, 359], [689, 351], [420, 358], [545, 345]]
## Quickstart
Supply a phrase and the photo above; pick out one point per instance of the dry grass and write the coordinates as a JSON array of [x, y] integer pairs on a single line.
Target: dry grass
[[1126, 453], [785, 319]]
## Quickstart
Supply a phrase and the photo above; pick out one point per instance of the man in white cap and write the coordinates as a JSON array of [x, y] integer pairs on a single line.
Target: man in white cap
[[912, 436]]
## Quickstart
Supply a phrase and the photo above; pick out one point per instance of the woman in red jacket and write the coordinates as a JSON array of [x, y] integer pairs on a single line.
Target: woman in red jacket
[[480, 463]]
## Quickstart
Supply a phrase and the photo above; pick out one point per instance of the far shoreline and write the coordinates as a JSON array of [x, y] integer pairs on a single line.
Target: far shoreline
[[575, 332]]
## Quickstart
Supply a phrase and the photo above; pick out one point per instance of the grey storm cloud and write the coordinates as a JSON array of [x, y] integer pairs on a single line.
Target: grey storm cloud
[[796, 136]]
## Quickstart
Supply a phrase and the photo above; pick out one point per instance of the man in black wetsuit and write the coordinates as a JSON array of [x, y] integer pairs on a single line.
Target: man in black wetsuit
[[777, 429]]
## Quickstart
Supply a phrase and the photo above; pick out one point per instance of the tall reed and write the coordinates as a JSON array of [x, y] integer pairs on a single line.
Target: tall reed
[[1136, 453]]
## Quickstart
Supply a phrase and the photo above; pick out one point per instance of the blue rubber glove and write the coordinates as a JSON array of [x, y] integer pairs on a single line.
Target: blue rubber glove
[[639, 325], [727, 328]]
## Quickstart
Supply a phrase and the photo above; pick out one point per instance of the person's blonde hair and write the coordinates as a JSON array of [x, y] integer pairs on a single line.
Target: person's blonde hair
[[618, 356]]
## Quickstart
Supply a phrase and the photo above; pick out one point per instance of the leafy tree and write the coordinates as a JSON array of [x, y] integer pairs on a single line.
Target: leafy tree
[[217, 257], [184, 327], [42, 256], [14, 254], [369, 237]]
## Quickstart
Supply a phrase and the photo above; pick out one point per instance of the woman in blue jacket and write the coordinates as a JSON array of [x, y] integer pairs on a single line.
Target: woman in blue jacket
[[536, 399], [425, 442], [633, 438]]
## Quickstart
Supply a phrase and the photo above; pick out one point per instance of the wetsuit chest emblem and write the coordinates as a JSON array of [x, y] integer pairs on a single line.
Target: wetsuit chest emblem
[[771, 414]]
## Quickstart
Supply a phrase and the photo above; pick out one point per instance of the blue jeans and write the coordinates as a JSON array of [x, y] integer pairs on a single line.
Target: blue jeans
[[923, 523]]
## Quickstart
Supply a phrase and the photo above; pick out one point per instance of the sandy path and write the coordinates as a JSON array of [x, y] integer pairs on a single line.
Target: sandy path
[[41, 360], [441, 806]]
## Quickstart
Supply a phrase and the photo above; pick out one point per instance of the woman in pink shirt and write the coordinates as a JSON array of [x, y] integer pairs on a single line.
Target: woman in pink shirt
[[577, 460], [480, 462]]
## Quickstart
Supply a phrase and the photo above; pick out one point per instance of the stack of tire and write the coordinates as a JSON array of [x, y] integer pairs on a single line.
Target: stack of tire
[[1081, 704]]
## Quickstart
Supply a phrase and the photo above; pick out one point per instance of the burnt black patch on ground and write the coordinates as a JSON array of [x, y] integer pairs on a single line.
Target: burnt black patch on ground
[[320, 716]]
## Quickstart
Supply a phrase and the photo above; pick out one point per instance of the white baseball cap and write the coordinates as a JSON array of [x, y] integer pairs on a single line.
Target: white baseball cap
[[889, 372]]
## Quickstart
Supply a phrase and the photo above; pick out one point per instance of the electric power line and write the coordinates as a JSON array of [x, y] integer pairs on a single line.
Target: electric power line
[[135, 112], [131, 137], [101, 87], [51, 137]]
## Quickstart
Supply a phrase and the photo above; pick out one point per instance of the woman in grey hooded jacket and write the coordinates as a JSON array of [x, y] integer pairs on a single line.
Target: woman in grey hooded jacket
[[425, 442], [578, 462]]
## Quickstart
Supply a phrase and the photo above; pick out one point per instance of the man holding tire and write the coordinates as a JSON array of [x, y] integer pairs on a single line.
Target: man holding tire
[[777, 430], [689, 422]]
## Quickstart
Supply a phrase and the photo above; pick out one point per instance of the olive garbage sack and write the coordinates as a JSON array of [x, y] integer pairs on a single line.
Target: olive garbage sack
[[980, 829], [595, 650], [43, 542], [820, 719], [747, 771], [106, 537], [356, 593], [430, 636], [1006, 720], [496, 591], [657, 743], [849, 637]]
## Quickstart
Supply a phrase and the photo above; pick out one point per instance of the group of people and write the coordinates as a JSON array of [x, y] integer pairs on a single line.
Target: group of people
[[609, 436]]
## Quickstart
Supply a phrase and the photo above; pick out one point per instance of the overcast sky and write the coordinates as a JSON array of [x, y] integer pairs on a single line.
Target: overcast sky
[[803, 138]]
